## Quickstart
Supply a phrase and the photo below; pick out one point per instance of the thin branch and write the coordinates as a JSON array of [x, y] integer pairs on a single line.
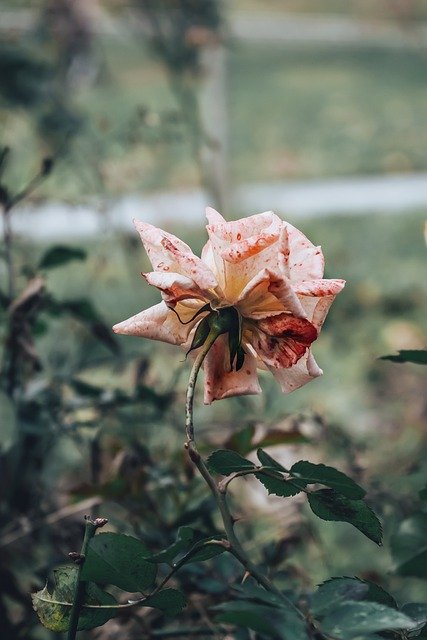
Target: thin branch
[[228, 521], [80, 588]]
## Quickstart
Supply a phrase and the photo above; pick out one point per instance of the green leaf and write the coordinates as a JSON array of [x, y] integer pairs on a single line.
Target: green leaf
[[120, 560], [351, 619], [170, 601], [267, 461], [8, 429], [417, 611], [185, 537], [59, 255], [423, 493], [204, 550], [417, 356], [280, 623], [252, 591], [280, 486], [409, 546], [329, 505], [190, 546], [53, 609], [380, 595], [225, 462], [335, 591], [329, 476]]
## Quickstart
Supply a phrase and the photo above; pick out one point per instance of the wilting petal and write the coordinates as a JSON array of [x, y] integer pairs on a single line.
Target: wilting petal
[[220, 381], [280, 341], [174, 287], [298, 375], [156, 323], [169, 253], [268, 294], [304, 260]]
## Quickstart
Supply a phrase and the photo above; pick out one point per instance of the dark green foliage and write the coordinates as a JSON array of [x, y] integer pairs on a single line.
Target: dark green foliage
[[335, 591], [339, 590], [352, 619], [170, 601], [416, 611], [329, 505], [60, 255], [265, 613], [409, 546], [408, 355], [190, 546], [119, 560], [321, 474], [225, 461]]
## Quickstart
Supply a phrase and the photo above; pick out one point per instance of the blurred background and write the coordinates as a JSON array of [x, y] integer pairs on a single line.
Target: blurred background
[[155, 109]]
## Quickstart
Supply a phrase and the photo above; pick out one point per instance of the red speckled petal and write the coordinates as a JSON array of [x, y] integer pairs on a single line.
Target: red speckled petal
[[238, 250], [304, 260], [282, 340], [319, 288], [305, 370], [169, 253], [156, 323], [174, 286], [220, 382], [316, 297]]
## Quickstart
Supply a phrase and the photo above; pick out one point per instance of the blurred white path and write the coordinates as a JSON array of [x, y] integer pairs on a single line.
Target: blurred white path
[[292, 200]]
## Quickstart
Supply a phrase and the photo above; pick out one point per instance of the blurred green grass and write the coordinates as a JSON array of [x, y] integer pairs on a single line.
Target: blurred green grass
[[317, 112]]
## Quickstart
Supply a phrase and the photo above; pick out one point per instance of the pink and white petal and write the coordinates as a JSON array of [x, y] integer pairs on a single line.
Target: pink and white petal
[[241, 248], [223, 233], [305, 370], [174, 286], [169, 253], [268, 294], [216, 264], [317, 298], [321, 310], [156, 323], [220, 381], [305, 261], [319, 287]]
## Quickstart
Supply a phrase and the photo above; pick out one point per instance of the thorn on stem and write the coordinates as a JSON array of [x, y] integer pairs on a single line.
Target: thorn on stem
[[246, 576]]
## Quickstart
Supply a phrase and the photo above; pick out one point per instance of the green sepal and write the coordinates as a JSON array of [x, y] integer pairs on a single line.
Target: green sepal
[[241, 353], [200, 335], [234, 341]]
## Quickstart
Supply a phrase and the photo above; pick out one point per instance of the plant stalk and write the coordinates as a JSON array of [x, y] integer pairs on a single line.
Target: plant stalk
[[228, 521], [80, 588]]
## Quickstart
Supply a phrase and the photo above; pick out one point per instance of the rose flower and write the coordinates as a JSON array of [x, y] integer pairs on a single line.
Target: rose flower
[[258, 285]]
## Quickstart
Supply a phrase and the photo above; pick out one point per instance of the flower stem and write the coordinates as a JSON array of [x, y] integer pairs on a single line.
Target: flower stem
[[220, 497], [189, 428]]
